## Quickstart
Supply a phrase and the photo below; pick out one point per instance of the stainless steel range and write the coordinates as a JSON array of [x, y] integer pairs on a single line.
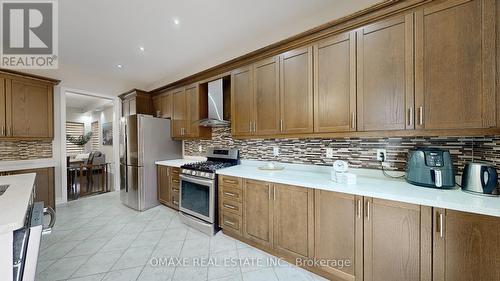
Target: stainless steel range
[[198, 189]]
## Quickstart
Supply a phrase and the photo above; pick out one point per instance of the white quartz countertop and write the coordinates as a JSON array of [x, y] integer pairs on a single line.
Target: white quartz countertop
[[6, 166], [179, 162], [371, 183], [14, 202]]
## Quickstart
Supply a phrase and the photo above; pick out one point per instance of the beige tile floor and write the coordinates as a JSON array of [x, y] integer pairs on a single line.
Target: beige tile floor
[[98, 238]]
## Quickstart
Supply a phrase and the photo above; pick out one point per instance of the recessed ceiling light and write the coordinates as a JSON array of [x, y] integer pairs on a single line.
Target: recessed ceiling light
[[176, 21], [119, 65], [141, 48]]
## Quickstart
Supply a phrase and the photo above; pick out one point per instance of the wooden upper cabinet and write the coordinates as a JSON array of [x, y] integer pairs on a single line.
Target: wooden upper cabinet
[[466, 246], [385, 72], [179, 114], [339, 232], [29, 109], [3, 125], [193, 108], [242, 106], [166, 106], [293, 220], [267, 97], [296, 91], [393, 241], [258, 212], [335, 84], [137, 102], [157, 106], [455, 65]]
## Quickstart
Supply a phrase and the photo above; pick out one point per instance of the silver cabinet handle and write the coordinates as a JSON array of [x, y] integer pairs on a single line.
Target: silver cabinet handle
[[229, 194], [410, 116], [3, 131], [421, 115], [368, 210], [353, 120], [230, 223], [49, 211], [254, 126], [281, 125], [274, 193], [175, 202], [441, 225], [358, 211], [250, 126], [230, 206], [269, 191]]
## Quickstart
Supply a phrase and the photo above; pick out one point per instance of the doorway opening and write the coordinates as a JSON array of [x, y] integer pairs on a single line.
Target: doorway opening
[[89, 144]]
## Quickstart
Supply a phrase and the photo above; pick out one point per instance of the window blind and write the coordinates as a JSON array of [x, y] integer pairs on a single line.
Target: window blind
[[74, 129], [95, 144]]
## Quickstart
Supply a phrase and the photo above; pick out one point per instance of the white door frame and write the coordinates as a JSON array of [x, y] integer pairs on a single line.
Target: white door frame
[[62, 138]]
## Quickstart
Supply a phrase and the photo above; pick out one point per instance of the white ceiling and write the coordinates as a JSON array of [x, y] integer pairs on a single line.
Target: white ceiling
[[85, 103], [95, 36]]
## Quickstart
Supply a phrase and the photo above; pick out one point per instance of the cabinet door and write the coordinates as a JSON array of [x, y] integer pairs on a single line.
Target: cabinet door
[[193, 107], [339, 232], [258, 212], [163, 184], [455, 65], [466, 246], [296, 89], [44, 185], [293, 220], [242, 106], [335, 84], [29, 109], [132, 106], [166, 106], [267, 97], [385, 75], [2, 108], [179, 116], [125, 108], [392, 241]]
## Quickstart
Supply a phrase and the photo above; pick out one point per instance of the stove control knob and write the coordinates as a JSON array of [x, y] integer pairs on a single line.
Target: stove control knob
[[193, 173], [203, 174]]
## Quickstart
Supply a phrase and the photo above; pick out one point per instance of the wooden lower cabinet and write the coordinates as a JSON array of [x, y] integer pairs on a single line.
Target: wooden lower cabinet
[[338, 229], [163, 184], [44, 184], [293, 224], [465, 246], [258, 212], [394, 248], [168, 185]]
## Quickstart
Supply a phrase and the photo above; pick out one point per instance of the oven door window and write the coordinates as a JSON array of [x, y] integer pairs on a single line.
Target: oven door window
[[196, 198]]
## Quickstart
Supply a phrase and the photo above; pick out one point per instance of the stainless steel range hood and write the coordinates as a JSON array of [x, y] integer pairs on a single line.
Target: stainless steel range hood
[[215, 106]]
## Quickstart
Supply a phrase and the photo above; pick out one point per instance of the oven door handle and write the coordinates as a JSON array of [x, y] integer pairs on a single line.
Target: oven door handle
[[49, 211], [207, 182]]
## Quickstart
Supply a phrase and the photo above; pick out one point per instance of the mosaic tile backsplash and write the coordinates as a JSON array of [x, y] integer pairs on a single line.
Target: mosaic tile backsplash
[[25, 150], [359, 152]]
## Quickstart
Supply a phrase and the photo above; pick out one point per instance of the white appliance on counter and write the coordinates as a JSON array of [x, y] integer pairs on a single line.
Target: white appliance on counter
[[144, 140], [19, 247]]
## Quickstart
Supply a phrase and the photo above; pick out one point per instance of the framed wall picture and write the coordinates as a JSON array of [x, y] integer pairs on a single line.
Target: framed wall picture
[[107, 133]]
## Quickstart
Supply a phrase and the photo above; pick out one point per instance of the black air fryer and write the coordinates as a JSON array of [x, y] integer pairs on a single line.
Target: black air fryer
[[430, 167]]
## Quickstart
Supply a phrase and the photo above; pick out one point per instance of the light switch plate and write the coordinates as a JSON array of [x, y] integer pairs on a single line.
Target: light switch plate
[[329, 152]]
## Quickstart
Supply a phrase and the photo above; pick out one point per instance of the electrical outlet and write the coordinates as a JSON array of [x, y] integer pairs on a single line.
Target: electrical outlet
[[200, 148], [329, 152], [276, 151], [381, 155]]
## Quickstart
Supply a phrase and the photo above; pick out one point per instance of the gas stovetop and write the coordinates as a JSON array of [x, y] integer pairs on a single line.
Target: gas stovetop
[[217, 159], [207, 166]]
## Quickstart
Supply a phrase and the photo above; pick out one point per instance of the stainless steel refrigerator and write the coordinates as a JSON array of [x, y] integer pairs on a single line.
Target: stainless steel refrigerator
[[144, 139]]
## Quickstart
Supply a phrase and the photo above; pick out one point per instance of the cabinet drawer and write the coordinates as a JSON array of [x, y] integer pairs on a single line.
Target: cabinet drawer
[[230, 206], [175, 199], [232, 194], [230, 181], [175, 183], [174, 173], [231, 222]]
